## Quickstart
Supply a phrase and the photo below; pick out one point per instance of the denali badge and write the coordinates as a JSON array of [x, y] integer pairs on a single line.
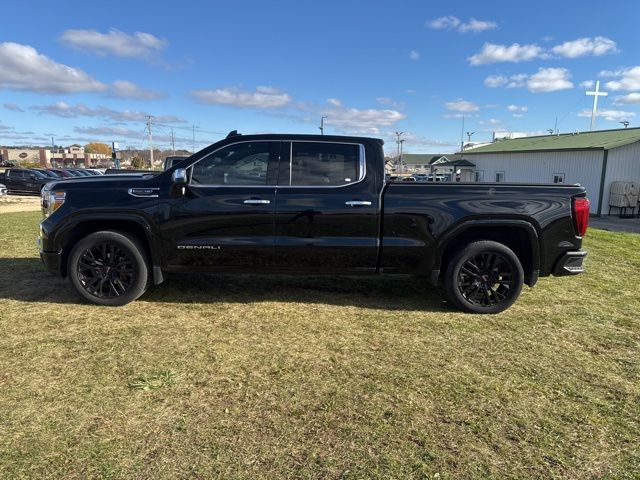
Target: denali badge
[[198, 247]]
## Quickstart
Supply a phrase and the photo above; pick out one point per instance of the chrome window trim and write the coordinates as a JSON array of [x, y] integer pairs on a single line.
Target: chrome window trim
[[215, 185], [362, 161]]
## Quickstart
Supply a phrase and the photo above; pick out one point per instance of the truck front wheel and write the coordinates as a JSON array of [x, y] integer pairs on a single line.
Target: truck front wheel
[[484, 277], [108, 268]]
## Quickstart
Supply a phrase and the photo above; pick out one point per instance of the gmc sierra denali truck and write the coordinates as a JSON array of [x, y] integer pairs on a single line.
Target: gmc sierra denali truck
[[308, 204]]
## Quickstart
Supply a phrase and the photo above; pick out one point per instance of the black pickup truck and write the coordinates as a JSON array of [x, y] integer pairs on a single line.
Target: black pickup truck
[[313, 205], [24, 180]]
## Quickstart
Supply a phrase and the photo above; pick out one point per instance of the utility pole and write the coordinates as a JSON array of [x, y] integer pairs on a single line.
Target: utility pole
[[401, 164], [398, 135], [149, 117], [193, 145], [321, 127], [462, 136], [595, 94], [173, 141], [625, 123]]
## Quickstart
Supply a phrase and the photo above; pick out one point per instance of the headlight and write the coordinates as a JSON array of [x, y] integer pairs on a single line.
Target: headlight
[[51, 201]]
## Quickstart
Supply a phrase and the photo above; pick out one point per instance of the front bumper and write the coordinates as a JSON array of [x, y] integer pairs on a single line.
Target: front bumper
[[570, 263]]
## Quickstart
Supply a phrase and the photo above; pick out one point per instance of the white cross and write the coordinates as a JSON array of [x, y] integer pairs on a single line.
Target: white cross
[[595, 94]]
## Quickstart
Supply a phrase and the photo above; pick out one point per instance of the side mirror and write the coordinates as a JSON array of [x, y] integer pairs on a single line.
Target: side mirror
[[179, 179], [32, 176], [179, 176]]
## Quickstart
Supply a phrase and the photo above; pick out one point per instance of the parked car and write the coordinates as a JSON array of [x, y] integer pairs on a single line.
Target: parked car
[[61, 172], [3, 190], [24, 180], [308, 204], [7, 164]]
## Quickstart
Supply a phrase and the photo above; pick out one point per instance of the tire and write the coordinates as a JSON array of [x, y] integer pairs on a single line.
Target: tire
[[484, 277], [108, 268]]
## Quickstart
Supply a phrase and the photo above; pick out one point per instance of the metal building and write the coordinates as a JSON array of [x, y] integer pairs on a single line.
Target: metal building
[[593, 159]]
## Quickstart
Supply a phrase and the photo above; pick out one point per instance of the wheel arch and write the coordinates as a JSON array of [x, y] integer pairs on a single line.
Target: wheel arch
[[519, 235], [131, 225]]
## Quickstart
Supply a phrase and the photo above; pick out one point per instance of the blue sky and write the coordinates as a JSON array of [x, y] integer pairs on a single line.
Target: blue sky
[[79, 72]]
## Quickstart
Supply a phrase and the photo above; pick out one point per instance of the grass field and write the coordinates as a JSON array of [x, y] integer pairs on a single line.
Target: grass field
[[276, 377]]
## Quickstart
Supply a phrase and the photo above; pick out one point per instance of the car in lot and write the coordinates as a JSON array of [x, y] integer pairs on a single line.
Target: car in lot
[[24, 180], [3, 190], [308, 204]]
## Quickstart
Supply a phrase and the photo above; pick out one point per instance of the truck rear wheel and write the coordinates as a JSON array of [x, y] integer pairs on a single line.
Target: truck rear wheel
[[108, 268], [484, 277]]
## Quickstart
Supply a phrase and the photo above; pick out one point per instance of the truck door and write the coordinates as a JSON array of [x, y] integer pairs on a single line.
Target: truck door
[[225, 220], [326, 209]]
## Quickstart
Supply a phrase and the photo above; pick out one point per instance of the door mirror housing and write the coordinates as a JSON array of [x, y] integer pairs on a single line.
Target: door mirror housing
[[179, 178]]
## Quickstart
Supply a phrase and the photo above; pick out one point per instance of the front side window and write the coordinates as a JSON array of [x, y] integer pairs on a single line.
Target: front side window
[[238, 164], [323, 164]]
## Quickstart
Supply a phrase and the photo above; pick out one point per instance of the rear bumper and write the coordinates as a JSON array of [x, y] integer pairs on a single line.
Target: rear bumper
[[570, 263]]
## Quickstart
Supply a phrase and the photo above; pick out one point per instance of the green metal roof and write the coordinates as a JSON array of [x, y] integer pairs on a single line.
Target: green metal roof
[[598, 140]]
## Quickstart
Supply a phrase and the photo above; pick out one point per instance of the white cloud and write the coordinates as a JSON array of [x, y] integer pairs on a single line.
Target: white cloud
[[627, 79], [493, 53], [414, 55], [334, 101], [587, 84], [516, 108], [444, 23], [361, 121], [582, 47], [451, 22], [476, 26], [513, 81], [125, 89], [610, 115], [117, 43], [517, 115], [461, 105], [549, 80], [495, 81], [410, 91], [65, 110], [111, 132], [13, 106], [263, 97], [627, 99], [544, 80], [414, 139], [23, 68]]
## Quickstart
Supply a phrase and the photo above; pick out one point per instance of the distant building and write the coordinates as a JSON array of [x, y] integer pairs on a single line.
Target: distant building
[[592, 159], [72, 156]]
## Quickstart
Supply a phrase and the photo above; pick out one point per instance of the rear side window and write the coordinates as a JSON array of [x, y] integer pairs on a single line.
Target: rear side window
[[323, 164], [237, 164]]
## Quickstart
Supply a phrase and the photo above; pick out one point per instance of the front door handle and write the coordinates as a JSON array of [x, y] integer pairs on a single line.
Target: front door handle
[[358, 203], [257, 201]]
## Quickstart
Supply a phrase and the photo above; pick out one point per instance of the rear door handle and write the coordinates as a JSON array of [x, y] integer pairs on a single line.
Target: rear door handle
[[257, 201], [357, 203]]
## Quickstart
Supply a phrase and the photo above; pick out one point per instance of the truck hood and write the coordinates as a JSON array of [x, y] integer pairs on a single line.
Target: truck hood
[[102, 181]]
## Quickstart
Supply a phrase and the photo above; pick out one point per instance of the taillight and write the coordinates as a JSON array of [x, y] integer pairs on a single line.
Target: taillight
[[580, 213]]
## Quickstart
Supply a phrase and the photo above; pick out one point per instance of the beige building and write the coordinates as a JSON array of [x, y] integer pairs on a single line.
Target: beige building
[[72, 156]]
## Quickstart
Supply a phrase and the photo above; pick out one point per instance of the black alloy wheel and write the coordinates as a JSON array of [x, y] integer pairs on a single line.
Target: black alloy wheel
[[108, 268], [105, 270], [484, 277]]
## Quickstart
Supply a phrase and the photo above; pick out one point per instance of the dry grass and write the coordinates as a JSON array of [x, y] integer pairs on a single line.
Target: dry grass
[[271, 377], [19, 203]]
